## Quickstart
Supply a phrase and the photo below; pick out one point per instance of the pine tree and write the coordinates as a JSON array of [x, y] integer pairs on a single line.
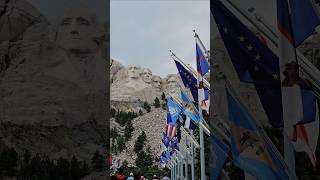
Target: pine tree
[[25, 166], [75, 170], [156, 102], [35, 166], [164, 107], [114, 147], [140, 142], [121, 143], [163, 96], [114, 133], [128, 130], [147, 106], [84, 169], [9, 162], [113, 112], [63, 168], [144, 159], [26, 157], [97, 161], [140, 113]]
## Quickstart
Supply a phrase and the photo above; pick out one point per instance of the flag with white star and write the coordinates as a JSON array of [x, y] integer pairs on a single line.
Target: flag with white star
[[189, 81], [253, 61]]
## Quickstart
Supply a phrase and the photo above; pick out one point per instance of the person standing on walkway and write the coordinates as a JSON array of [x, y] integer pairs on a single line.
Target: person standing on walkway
[[130, 177]]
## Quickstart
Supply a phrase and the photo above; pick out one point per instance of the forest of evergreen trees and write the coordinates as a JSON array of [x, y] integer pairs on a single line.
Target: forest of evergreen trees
[[41, 167]]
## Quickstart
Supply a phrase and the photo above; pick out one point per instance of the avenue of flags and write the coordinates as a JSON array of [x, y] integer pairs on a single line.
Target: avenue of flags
[[289, 99]]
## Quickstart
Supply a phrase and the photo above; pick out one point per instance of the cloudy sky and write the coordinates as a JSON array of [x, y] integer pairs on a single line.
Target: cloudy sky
[[142, 32]]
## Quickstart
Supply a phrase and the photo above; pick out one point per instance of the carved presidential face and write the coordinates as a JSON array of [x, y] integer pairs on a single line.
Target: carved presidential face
[[146, 75], [172, 82], [133, 71], [76, 31], [156, 81]]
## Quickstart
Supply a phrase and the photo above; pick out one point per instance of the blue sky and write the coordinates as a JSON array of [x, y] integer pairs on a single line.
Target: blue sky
[[142, 32]]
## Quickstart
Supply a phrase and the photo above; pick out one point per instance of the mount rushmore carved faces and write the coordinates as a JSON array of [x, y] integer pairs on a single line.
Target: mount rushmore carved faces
[[133, 72], [146, 75], [172, 82], [75, 31], [156, 82], [71, 74]]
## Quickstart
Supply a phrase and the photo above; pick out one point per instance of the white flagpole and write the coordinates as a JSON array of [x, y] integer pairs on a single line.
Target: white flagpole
[[174, 170], [171, 171], [202, 157], [181, 167], [202, 46], [186, 161], [192, 157], [191, 138]]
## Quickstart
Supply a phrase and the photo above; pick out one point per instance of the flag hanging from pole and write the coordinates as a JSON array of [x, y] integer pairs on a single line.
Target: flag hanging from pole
[[298, 99], [174, 110], [304, 20], [249, 150], [202, 68], [202, 63], [189, 109], [219, 155], [188, 80], [256, 63]]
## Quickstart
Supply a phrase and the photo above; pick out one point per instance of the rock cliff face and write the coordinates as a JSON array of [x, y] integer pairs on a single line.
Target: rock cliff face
[[152, 124], [52, 95], [131, 86]]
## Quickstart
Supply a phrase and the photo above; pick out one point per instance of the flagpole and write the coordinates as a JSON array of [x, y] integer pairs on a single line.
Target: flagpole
[[202, 157], [171, 172], [191, 138], [186, 161], [181, 167], [201, 44], [174, 169], [192, 157]]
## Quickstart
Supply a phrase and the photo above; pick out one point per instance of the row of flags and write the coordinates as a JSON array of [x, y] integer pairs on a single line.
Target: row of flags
[[184, 111], [288, 99]]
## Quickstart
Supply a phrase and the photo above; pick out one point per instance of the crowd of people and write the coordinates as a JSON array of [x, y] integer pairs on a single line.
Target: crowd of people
[[121, 176]]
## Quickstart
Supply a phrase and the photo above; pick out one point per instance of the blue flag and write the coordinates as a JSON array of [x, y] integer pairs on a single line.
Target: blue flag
[[202, 63], [192, 113], [250, 152], [219, 155], [184, 97], [189, 109], [303, 19], [174, 110], [256, 63], [188, 80], [253, 61], [168, 118]]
